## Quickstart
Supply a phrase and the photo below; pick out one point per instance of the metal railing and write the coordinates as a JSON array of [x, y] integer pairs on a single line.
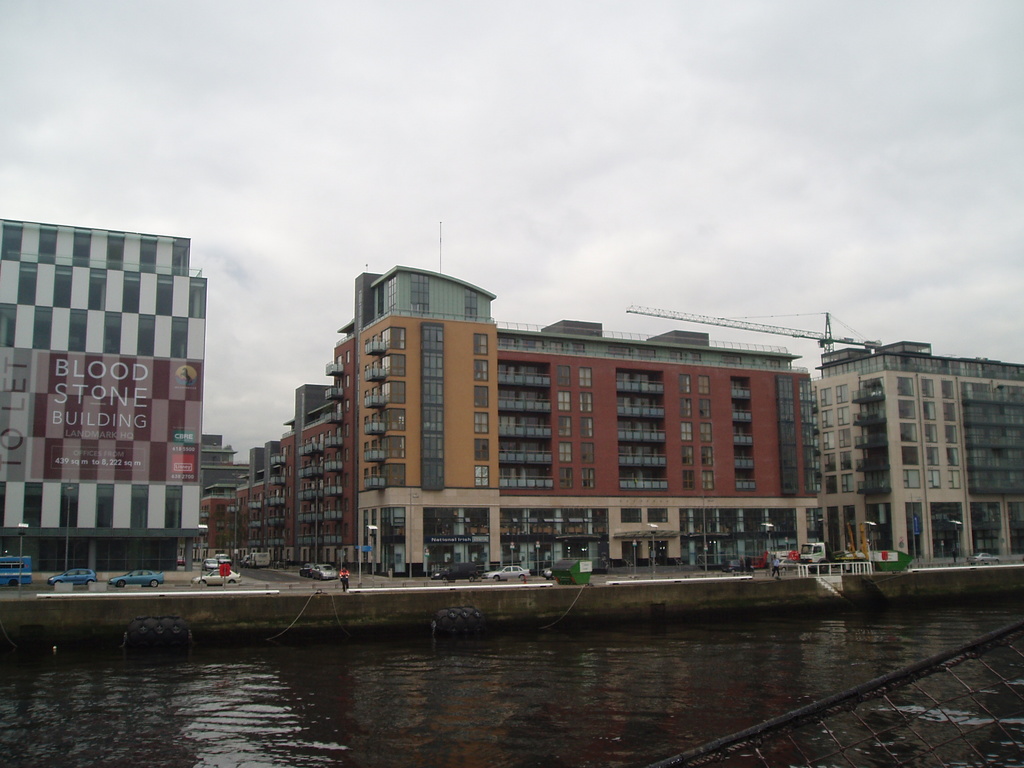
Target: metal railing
[[964, 707]]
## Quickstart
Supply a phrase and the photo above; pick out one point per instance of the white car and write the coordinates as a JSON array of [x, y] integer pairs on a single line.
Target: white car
[[325, 572], [983, 557], [506, 573], [213, 578]]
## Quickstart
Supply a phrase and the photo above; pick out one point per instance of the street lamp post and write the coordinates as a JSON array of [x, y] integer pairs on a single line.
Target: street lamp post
[[956, 543], [652, 551], [22, 527], [372, 530]]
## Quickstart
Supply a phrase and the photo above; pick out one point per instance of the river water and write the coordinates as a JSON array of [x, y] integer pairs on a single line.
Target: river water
[[549, 698]]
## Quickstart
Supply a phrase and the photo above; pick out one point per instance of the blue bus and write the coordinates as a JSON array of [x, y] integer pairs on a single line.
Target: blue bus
[[13, 568]]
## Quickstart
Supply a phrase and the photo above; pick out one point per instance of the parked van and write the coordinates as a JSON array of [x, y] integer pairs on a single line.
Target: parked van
[[456, 571], [256, 560]]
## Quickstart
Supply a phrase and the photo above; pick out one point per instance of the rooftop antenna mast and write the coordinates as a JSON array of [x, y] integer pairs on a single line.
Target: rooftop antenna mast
[[440, 246]]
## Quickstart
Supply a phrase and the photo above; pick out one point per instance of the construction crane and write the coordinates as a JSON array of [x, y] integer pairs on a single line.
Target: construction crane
[[826, 340]]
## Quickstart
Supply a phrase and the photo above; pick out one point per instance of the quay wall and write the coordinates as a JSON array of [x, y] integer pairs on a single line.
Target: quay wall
[[86, 619]]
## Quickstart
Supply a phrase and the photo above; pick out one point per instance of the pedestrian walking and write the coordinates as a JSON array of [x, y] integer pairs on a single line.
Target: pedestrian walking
[[775, 568], [343, 575]]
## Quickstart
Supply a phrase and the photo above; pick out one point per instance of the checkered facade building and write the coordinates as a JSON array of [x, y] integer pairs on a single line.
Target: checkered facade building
[[102, 346]]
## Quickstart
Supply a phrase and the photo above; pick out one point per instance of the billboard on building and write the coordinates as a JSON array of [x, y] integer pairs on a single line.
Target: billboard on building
[[104, 418]]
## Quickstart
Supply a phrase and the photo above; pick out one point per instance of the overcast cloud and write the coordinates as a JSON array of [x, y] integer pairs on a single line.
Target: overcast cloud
[[766, 160]]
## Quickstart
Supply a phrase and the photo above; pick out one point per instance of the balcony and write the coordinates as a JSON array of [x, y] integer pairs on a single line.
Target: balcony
[[641, 435], [255, 505], [523, 430], [524, 457], [874, 487], [334, 490], [524, 379], [868, 419], [872, 441], [374, 482], [746, 485], [375, 427], [374, 454], [524, 404], [334, 466], [642, 411], [740, 393], [334, 441], [334, 369], [310, 449], [870, 395], [642, 460], [375, 347], [643, 386], [375, 373], [313, 470], [310, 494], [335, 393], [741, 439], [743, 463], [642, 484], [276, 459], [526, 482], [738, 415], [277, 479], [275, 501], [375, 400], [873, 465]]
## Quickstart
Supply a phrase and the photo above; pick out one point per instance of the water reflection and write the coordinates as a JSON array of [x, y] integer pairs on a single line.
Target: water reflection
[[549, 699]]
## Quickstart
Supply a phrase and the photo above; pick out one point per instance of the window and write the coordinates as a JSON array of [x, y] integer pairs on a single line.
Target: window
[[707, 455], [480, 372], [689, 482], [687, 454], [844, 437], [684, 383], [629, 515], [931, 456], [947, 390], [842, 393], [846, 460], [586, 377], [147, 255], [112, 333], [949, 411], [905, 386], [97, 289], [115, 251], [846, 483], [928, 409], [47, 245], [825, 395], [479, 343], [906, 409], [927, 388], [829, 463], [147, 335], [705, 408], [27, 283], [686, 431], [826, 421], [565, 426], [586, 426], [685, 407], [562, 375], [707, 479], [42, 327], [420, 297], [911, 478], [954, 478], [587, 478], [934, 478], [908, 432], [140, 506], [951, 433], [481, 424], [105, 506], [705, 431], [843, 415], [564, 400], [587, 453], [130, 292], [197, 298], [931, 433], [77, 330], [910, 454], [10, 244], [480, 397], [481, 476], [179, 256], [62, 287], [179, 337], [831, 484], [953, 456], [565, 452], [657, 515], [481, 449], [703, 385], [828, 440], [586, 402], [565, 477], [472, 303]]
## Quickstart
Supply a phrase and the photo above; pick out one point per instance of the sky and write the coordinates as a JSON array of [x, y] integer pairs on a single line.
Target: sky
[[760, 160]]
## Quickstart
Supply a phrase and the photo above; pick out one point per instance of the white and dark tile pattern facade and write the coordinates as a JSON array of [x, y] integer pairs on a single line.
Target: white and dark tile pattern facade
[[102, 345]]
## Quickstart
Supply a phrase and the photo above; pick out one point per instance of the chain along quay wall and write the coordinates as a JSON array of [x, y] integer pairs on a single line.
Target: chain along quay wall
[[40, 621]]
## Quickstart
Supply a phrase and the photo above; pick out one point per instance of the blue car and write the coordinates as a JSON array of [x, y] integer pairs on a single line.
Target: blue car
[[73, 576], [140, 576]]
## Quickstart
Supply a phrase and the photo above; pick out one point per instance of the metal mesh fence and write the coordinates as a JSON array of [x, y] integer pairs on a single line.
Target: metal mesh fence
[[957, 709]]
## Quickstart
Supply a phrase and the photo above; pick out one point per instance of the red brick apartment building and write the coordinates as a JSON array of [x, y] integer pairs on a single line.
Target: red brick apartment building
[[444, 437]]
